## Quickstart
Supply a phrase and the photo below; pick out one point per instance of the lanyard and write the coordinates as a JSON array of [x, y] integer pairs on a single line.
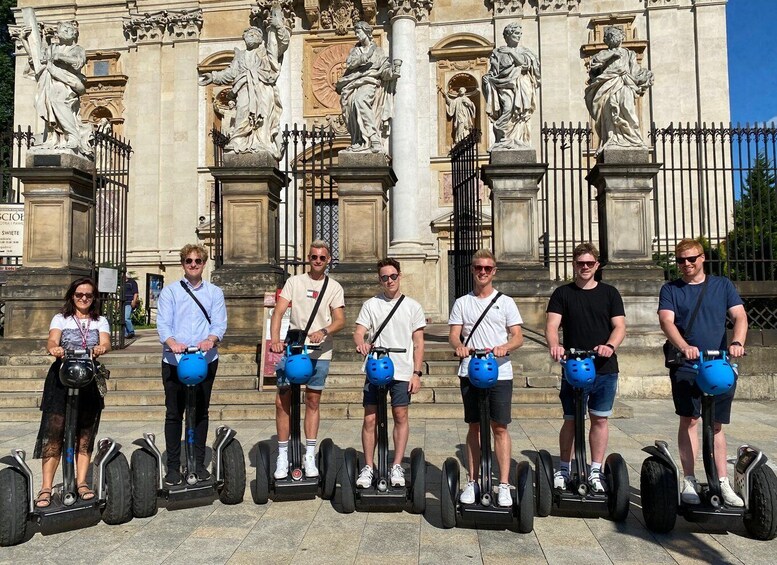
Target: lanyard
[[83, 330]]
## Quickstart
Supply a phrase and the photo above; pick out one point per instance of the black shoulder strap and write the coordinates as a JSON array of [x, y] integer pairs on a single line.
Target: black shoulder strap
[[698, 305], [316, 305], [190, 293], [483, 315], [383, 325]]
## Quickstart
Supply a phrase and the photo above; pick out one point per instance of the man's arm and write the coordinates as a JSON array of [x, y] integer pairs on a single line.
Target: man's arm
[[514, 342], [666, 320], [454, 338], [358, 338], [418, 360], [552, 325], [617, 335], [739, 316], [134, 301], [281, 305], [338, 323]]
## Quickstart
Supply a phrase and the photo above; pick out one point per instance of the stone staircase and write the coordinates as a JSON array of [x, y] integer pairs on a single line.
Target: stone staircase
[[135, 389]]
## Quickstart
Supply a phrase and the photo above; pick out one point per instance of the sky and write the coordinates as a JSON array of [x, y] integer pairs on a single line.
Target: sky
[[752, 60]]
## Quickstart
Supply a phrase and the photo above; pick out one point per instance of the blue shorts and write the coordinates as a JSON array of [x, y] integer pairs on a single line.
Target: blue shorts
[[599, 397], [316, 382], [398, 389], [687, 397]]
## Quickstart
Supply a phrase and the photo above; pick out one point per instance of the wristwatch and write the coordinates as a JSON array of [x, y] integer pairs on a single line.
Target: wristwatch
[[419, 373], [324, 331]]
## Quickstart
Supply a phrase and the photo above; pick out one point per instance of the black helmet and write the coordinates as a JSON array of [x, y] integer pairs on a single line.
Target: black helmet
[[76, 373]]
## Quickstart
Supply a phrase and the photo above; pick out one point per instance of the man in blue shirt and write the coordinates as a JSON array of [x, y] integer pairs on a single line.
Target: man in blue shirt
[[130, 303], [183, 323], [676, 304]]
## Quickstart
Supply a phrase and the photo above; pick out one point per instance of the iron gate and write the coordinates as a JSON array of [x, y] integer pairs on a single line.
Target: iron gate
[[111, 185]]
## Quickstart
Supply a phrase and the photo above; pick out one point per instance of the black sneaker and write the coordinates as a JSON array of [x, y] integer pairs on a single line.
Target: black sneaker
[[173, 477], [202, 473]]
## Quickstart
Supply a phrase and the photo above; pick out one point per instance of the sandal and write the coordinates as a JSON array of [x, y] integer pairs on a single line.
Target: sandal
[[43, 499], [84, 492]]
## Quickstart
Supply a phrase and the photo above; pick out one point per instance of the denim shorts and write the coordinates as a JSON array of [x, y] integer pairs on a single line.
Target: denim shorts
[[398, 389], [687, 397], [599, 396], [316, 382]]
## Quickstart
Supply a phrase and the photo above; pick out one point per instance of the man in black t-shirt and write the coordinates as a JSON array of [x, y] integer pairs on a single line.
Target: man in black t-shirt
[[592, 316]]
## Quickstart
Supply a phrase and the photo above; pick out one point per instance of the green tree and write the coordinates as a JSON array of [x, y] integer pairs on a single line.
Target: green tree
[[751, 246]]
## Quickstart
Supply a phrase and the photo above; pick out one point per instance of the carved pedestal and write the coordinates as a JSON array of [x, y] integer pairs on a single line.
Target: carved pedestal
[[58, 246], [250, 190], [514, 178], [624, 182], [363, 180]]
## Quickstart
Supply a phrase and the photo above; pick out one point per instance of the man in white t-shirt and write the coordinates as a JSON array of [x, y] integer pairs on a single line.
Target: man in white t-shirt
[[404, 330], [302, 292], [499, 331]]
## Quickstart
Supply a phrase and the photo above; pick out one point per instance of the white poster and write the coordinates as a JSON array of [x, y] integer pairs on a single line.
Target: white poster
[[107, 280], [11, 230]]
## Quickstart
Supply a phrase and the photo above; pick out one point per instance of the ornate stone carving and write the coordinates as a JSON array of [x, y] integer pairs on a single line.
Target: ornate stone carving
[[327, 67], [331, 122], [507, 6], [341, 16], [557, 5], [312, 11], [260, 14], [154, 26], [417, 8]]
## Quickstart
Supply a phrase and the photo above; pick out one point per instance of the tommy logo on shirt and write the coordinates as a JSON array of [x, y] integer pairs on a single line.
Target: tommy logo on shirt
[[312, 293]]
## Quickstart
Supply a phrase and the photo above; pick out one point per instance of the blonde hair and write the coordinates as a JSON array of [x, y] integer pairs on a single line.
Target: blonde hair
[[191, 247], [321, 244], [687, 244], [483, 254]]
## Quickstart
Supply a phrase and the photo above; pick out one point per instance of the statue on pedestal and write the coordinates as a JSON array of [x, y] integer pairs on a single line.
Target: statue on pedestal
[[615, 82], [367, 91], [253, 75], [462, 110], [57, 70], [510, 90]]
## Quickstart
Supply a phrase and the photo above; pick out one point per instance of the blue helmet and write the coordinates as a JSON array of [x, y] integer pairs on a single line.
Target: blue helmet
[[580, 372], [380, 371], [299, 367], [76, 373], [192, 368], [716, 376], [483, 371]]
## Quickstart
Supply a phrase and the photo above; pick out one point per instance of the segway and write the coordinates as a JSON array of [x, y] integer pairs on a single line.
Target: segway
[[483, 372], [754, 481], [110, 478], [579, 372], [296, 485], [381, 494], [228, 477]]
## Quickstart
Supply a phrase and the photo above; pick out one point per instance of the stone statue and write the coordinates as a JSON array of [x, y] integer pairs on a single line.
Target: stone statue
[[510, 90], [57, 70], [367, 91], [253, 75], [462, 110], [615, 82]]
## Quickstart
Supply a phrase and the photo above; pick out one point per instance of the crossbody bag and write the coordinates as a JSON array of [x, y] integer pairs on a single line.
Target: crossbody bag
[[673, 357], [298, 337]]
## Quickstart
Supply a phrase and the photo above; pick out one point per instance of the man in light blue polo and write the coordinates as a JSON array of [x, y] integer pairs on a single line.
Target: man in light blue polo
[[191, 313]]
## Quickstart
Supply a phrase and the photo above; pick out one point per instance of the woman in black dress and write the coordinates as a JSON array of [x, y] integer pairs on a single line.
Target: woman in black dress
[[77, 326]]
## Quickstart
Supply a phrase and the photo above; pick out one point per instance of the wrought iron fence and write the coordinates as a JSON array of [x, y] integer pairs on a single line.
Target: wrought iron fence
[[467, 218]]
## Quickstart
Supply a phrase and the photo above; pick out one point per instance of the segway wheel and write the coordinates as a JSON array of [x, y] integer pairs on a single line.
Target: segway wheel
[[348, 480], [658, 490], [234, 473], [418, 481], [327, 466], [261, 489], [449, 490], [145, 480], [543, 483], [761, 520], [524, 488], [118, 491], [618, 478], [14, 499]]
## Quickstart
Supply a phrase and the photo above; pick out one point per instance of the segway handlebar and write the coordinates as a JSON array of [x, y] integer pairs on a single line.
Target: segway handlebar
[[479, 352], [385, 350], [190, 349], [578, 353], [78, 352]]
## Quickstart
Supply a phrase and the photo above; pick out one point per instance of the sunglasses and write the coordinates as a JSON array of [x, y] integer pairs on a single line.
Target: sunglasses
[[484, 268], [83, 295], [318, 257], [691, 260], [196, 261], [588, 264], [393, 277]]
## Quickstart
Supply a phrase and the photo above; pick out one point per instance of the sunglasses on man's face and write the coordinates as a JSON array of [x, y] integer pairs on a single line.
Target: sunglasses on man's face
[[196, 261], [587, 264], [393, 277], [317, 257], [691, 260], [83, 295], [484, 268]]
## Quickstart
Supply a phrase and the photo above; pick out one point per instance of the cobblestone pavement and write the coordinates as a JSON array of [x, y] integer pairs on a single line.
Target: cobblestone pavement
[[314, 531]]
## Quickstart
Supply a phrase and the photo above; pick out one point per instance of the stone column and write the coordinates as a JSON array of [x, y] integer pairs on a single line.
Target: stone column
[[514, 177], [363, 180], [58, 246], [251, 192], [624, 183]]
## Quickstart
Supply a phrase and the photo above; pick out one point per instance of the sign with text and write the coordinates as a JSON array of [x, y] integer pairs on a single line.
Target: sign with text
[[11, 230]]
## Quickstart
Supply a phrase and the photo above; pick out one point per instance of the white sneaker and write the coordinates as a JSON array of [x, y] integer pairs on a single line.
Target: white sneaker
[[311, 470], [560, 480], [597, 481], [469, 492], [729, 496], [690, 494], [282, 466], [505, 498], [365, 477], [397, 476]]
